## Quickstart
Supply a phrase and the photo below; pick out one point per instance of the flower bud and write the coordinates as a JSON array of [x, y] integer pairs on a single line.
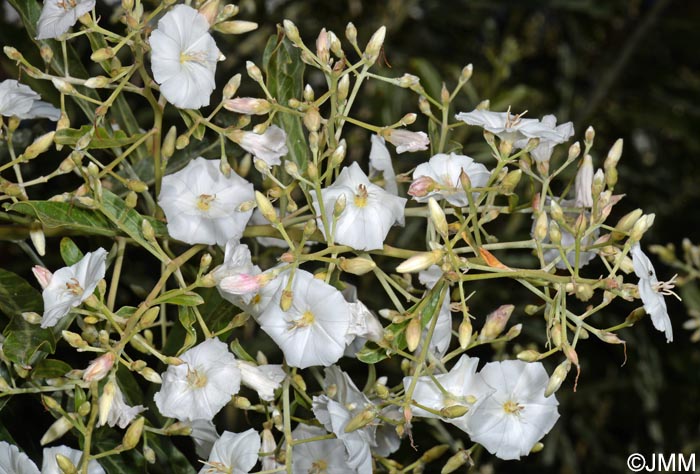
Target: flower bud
[[454, 411], [343, 87], [614, 155], [312, 119], [510, 181], [151, 375], [456, 461], [291, 32], [589, 136], [556, 212], [62, 86], [496, 322], [231, 86], [248, 106], [557, 378], [374, 46], [361, 420], [422, 186], [465, 333], [42, 275], [106, 400], [286, 300], [57, 429], [265, 207], [584, 181], [237, 27], [420, 262], [541, 226], [99, 367], [413, 332], [350, 34], [339, 205], [641, 226], [65, 465], [38, 146], [626, 223], [133, 433], [357, 266], [253, 71], [437, 217], [529, 355]]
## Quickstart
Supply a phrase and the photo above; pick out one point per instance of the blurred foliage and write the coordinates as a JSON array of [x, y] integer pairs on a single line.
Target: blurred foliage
[[627, 67]]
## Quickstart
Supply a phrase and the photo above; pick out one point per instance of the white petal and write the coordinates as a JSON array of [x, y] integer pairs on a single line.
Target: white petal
[[13, 461]]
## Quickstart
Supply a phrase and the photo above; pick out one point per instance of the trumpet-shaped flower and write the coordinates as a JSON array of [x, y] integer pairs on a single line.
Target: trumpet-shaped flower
[[517, 415], [324, 455], [343, 402], [12, 460], [461, 386], [268, 146], [236, 279], [264, 379], [20, 101], [369, 211], [516, 129], [202, 204], [651, 291], [57, 16], [312, 331], [70, 286], [440, 178], [199, 387], [543, 151], [406, 140], [50, 466], [184, 57], [234, 453]]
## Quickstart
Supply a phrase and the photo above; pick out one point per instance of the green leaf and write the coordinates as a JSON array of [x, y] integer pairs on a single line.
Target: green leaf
[[17, 296], [50, 368], [178, 298], [63, 215], [187, 319], [285, 80], [239, 352], [216, 312], [427, 309], [26, 343], [101, 138], [70, 253]]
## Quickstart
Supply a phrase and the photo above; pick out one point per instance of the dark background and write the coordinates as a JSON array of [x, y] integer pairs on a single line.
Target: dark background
[[628, 68]]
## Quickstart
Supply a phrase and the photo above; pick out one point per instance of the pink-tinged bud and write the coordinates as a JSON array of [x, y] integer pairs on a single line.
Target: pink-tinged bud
[[248, 106], [210, 10], [496, 322], [323, 46], [99, 367], [240, 284], [406, 140], [584, 181], [422, 186], [420, 262], [42, 275]]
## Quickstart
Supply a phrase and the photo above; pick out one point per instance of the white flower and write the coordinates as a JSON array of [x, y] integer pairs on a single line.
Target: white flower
[[204, 436], [58, 16], [335, 410], [651, 292], [406, 140], [13, 461], [326, 455], [50, 466], [184, 57], [363, 323], [201, 203], [517, 415], [543, 151], [202, 385], [234, 453], [268, 146], [264, 379], [20, 101], [113, 409], [439, 178], [72, 285], [312, 331], [369, 210], [380, 162], [460, 386], [516, 129], [236, 279]]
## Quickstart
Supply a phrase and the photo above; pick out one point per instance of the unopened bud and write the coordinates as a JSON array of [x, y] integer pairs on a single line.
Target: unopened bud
[[510, 181], [357, 266], [361, 420], [182, 141], [291, 32], [465, 333], [420, 262], [57, 429], [641, 226], [437, 217], [557, 378], [374, 46], [151, 375], [496, 322], [286, 300], [413, 332], [614, 155], [350, 34], [99, 367], [541, 226], [65, 465], [312, 119], [231, 86], [456, 461], [265, 207], [626, 223], [133, 433], [253, 71], [454, 411], [589, 137], [339, 205], [343, 87], [529, 355]]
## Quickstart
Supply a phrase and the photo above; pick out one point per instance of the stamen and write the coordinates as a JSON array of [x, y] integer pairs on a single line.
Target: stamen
[[204, 201], [666, 287], [512, 407], [195, 56], [306, 319], [73, 286], [361, 196], [195, 379]]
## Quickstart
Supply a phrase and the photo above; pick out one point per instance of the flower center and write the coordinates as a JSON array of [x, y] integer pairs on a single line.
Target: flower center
[[361, 196], [666, 287], [196, 379], [74, 287], [204, 201], [196, 56], [511, 407], [217, 466], [306, 320], [320, 466], [67, 5], [514, 120]]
